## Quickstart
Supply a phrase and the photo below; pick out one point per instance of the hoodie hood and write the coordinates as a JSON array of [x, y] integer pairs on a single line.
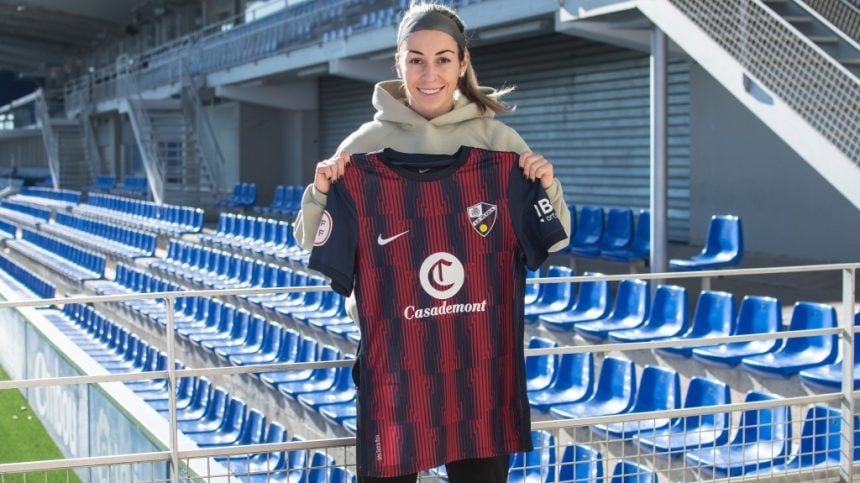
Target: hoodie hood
[[389, 99]]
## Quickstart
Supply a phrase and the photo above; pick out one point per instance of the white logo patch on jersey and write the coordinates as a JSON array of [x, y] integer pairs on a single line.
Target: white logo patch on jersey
[[324, 230], [441, 275]]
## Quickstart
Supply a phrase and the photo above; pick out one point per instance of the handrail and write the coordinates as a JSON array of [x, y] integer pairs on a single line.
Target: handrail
[[131, 92], [213, 157], [818, 88], [842, 14], [52, 145], [175, 455]]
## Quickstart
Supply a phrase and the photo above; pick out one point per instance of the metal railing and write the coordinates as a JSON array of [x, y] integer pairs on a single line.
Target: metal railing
[[130, 92], [841, 13], [791, 66], [605, 433], [52, 144], [207, 147]]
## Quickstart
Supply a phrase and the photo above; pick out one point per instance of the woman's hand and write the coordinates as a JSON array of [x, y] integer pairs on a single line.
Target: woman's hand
[[329, 171], [535, 167]]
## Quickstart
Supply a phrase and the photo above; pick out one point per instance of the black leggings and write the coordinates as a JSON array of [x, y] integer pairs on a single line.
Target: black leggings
[[485, 470]]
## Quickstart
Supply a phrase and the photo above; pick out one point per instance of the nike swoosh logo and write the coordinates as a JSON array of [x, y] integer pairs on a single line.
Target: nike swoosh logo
[[385, 241], [423, 170]]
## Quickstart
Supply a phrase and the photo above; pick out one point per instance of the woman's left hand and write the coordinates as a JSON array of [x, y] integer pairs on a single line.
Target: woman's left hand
[[536, 167]]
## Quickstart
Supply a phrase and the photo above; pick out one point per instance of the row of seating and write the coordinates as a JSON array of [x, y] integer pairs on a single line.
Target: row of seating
[[136, 186], [262, 237], [35, 285], [23, 213], [104, 182], [51, 196], [206, 414], [611, 236], [635, 318], [118, 241], [285, 203], [146, 215], [73, 263], [244, 196]]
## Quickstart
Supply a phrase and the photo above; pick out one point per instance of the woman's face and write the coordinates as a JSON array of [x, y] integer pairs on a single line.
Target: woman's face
[[430, 68]]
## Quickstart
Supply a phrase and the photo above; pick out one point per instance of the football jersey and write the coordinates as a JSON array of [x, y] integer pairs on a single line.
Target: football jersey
[[435, 248]]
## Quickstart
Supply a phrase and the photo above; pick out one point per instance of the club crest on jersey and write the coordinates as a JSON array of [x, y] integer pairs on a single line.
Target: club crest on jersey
[[482, 216]]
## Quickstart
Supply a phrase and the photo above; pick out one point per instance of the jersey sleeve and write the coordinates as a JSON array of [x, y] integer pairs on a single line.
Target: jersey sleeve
[[336, 241], [536, 223]]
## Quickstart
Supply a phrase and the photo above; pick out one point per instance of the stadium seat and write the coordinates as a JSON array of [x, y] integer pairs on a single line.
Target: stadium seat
[[724, 246], [580, 464], [618, 232], [694, 432], [554, 297], [763, 439], [614, 393], [756, 315], [829, 377], [532, 289], [659, 390], [714, 317], [589, 231], [819, 443], [668, 317], [242, 465], [629, 311], [639, 248], [799, 353], [307, 353], [211, 419], [536, 465], [322, 379], [573, 382], [591, 303], [342, 391], [540, 370], [630, 472]]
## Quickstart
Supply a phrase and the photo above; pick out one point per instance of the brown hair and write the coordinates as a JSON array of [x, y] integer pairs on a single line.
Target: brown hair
[[467, 84]]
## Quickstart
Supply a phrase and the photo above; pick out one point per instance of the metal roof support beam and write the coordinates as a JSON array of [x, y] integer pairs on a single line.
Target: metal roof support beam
[[659, 151]]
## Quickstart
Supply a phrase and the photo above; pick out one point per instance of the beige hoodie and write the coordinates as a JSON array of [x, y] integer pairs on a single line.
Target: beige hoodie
[[398, 127]]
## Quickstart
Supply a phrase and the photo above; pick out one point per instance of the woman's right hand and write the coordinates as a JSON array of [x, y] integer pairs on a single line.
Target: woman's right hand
[[329, 171]]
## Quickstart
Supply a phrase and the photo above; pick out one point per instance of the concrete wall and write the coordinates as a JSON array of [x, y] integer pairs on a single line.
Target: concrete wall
[[224, 119], [739, 166], [275, 146]]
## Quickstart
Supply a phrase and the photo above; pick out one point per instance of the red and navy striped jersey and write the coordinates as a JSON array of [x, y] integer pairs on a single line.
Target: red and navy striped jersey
[[435, 247]]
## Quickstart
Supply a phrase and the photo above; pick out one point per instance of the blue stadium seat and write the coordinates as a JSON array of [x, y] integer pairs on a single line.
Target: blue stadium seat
[[342, 391], [320, 380], [540, 370], [341, 413], [573, 382], [592, 302], [212, 417], [694, 432], [639, 248], [757, 315], [242, 465], [799, 353], [629, 311], [630, 472], [554, 297], [668, 317], [714, 317], [267, 348], [580, 464], [659, 390], [763, 439], [829, 377], [536, 465], [614, 393], [532, 289], [307, 353], [589, 231], [819, 443], [618, 232], [724, 247], [226, 432]]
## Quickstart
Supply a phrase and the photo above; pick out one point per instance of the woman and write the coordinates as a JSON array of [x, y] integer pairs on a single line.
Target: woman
[[434, 108]]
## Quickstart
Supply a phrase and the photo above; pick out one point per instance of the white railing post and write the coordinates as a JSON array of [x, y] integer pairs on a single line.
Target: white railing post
[[171, 391], [846, 321]]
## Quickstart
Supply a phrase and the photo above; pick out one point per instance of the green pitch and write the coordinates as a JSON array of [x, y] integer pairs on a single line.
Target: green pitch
[[23, 438]]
